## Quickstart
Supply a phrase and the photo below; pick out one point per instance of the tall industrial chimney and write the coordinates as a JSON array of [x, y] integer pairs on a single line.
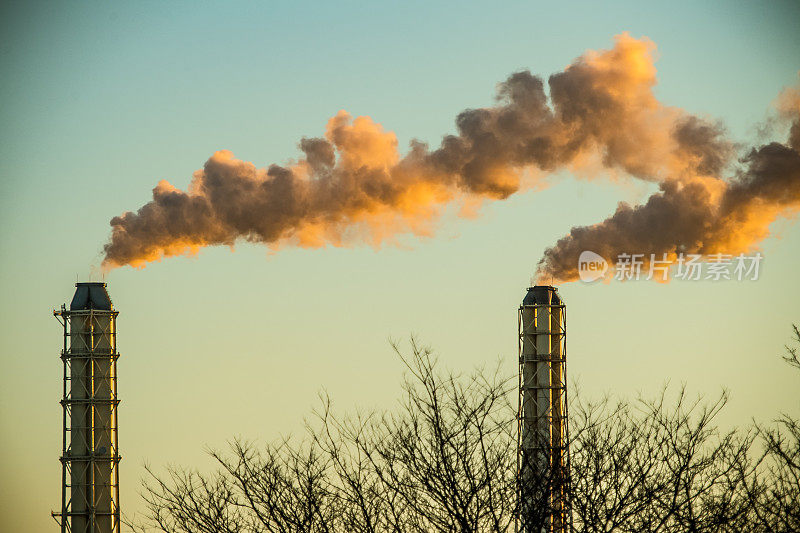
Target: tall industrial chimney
[[542, 451], [90, 456]]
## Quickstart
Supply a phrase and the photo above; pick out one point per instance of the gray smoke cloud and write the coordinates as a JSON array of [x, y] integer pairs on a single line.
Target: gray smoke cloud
[[696, 215], [353, 185]]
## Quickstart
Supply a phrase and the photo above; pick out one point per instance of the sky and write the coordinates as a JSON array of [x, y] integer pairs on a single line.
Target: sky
[[100, 101]]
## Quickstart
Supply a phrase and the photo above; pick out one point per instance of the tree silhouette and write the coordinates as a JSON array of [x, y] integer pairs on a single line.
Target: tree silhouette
[[445, 461]]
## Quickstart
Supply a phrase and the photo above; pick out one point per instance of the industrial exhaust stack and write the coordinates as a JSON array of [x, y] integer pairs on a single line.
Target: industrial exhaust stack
[[90, 457], [542, 450]]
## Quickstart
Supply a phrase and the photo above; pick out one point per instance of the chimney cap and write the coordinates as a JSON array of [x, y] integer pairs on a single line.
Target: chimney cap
[[541, 294], [90, 295]]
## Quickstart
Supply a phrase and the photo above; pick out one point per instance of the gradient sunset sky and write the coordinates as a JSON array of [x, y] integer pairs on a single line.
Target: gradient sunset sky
[[100, 101]]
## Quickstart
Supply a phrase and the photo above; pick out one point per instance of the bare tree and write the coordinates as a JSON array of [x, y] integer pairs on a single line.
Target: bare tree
[[445, 461], [792, 357], [774, 489], [644, 466]]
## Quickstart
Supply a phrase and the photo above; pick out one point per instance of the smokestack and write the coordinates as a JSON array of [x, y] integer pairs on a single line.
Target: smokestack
[[90, 454], [542, 452]]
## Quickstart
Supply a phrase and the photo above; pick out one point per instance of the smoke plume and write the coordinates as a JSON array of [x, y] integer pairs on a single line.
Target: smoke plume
[[696, 214], [353, 185]]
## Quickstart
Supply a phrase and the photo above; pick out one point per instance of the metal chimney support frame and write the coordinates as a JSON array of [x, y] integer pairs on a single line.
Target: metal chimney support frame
[[543, 470], [90, 448]]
